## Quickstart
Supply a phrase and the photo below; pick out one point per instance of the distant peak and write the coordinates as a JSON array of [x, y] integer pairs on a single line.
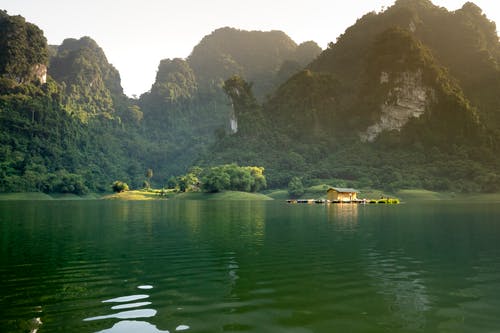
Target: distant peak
[[415, 3]]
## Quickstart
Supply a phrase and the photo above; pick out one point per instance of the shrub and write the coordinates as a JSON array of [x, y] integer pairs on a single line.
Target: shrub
[[119, 186]]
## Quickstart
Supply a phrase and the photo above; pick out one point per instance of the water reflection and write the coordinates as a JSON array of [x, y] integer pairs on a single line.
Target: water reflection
[[228, 223], [233, 269], [249, 266], [476, 302], [132, 325], [144, 313], [343, 216], [125, 299], [147, 286], [129, 305], [34, 324], [402, 287]]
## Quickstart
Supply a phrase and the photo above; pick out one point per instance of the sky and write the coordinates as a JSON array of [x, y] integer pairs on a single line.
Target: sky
[[136, 35]]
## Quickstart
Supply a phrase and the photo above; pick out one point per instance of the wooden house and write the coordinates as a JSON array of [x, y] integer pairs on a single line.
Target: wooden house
[[341, 194]]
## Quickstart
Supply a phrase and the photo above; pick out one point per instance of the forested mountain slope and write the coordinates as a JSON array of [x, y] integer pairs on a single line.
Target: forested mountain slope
[[66, 135], [392, 103], [66, 125], [186, 108], [407, 97]]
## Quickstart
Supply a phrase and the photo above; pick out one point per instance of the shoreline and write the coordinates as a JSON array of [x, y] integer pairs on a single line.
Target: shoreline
[[277, 195]]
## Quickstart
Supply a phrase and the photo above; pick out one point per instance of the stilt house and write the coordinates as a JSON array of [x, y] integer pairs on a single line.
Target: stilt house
[[341, 194]]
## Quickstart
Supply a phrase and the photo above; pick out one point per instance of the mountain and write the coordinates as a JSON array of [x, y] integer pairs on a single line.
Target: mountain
[[404, 98], [23, 50], [66, 125], [186, 107], [67, 130], [91, 82], [265, 59], [463, 42], [256, 56]]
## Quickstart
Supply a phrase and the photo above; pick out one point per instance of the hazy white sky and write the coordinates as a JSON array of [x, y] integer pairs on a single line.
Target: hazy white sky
[[136, 35]]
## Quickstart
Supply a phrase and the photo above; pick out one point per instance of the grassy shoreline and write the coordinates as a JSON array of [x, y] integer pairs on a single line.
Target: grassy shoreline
[[314, 192], [170, 195], [136, 195]]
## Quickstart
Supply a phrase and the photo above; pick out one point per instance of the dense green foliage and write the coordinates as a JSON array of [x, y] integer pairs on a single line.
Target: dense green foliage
[[253, 55], [255, 98], [119, 186], [22, 48], [92, 85], [187, 108], [295, 187], [43, 146], [312, 124], [74, 135], [233, 177], [219, 178]]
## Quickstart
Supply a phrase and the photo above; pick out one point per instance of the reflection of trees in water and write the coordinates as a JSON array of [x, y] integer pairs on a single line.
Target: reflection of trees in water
[[231, 224], [474, 306], [228, 233], [233, 267], [402, 287], [454, 286]]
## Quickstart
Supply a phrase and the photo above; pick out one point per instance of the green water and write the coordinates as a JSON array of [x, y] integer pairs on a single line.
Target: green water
[[94, 266]]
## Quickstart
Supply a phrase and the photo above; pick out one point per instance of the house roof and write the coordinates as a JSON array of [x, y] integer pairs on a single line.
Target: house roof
[[343, 190]]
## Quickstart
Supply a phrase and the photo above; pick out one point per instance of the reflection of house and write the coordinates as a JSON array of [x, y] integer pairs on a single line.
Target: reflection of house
[[341, 194]]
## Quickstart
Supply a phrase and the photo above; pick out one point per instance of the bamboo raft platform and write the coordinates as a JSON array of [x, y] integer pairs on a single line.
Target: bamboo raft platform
[[356, 201]]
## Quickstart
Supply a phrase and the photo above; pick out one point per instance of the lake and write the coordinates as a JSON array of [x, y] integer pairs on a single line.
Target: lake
[[205, 266]]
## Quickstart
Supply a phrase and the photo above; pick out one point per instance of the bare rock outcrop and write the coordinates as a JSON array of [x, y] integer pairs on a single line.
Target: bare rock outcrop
[[407, 98]]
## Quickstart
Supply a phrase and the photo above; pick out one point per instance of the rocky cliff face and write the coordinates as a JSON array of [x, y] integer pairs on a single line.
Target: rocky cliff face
[[39, 72], [407, 98]]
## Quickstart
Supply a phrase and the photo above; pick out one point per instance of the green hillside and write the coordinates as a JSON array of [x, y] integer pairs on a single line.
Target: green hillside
[[67, 127], [405, 98], [187, 108], [385, 106]]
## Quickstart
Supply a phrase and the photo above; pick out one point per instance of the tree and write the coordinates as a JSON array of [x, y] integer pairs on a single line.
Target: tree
[[149, 175], [240, 178], [172, 182], [216, 180], [188, 182], [259, 180], [295, 187], [233, 177], [133, 114]]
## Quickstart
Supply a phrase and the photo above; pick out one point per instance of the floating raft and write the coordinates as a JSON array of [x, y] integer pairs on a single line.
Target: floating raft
[[357, 201]]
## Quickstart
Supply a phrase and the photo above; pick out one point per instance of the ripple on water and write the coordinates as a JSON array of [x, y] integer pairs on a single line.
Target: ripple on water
[[128, 325], [144, 287], [129, 305], [143, 313], [125, 299], [132, 326]]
